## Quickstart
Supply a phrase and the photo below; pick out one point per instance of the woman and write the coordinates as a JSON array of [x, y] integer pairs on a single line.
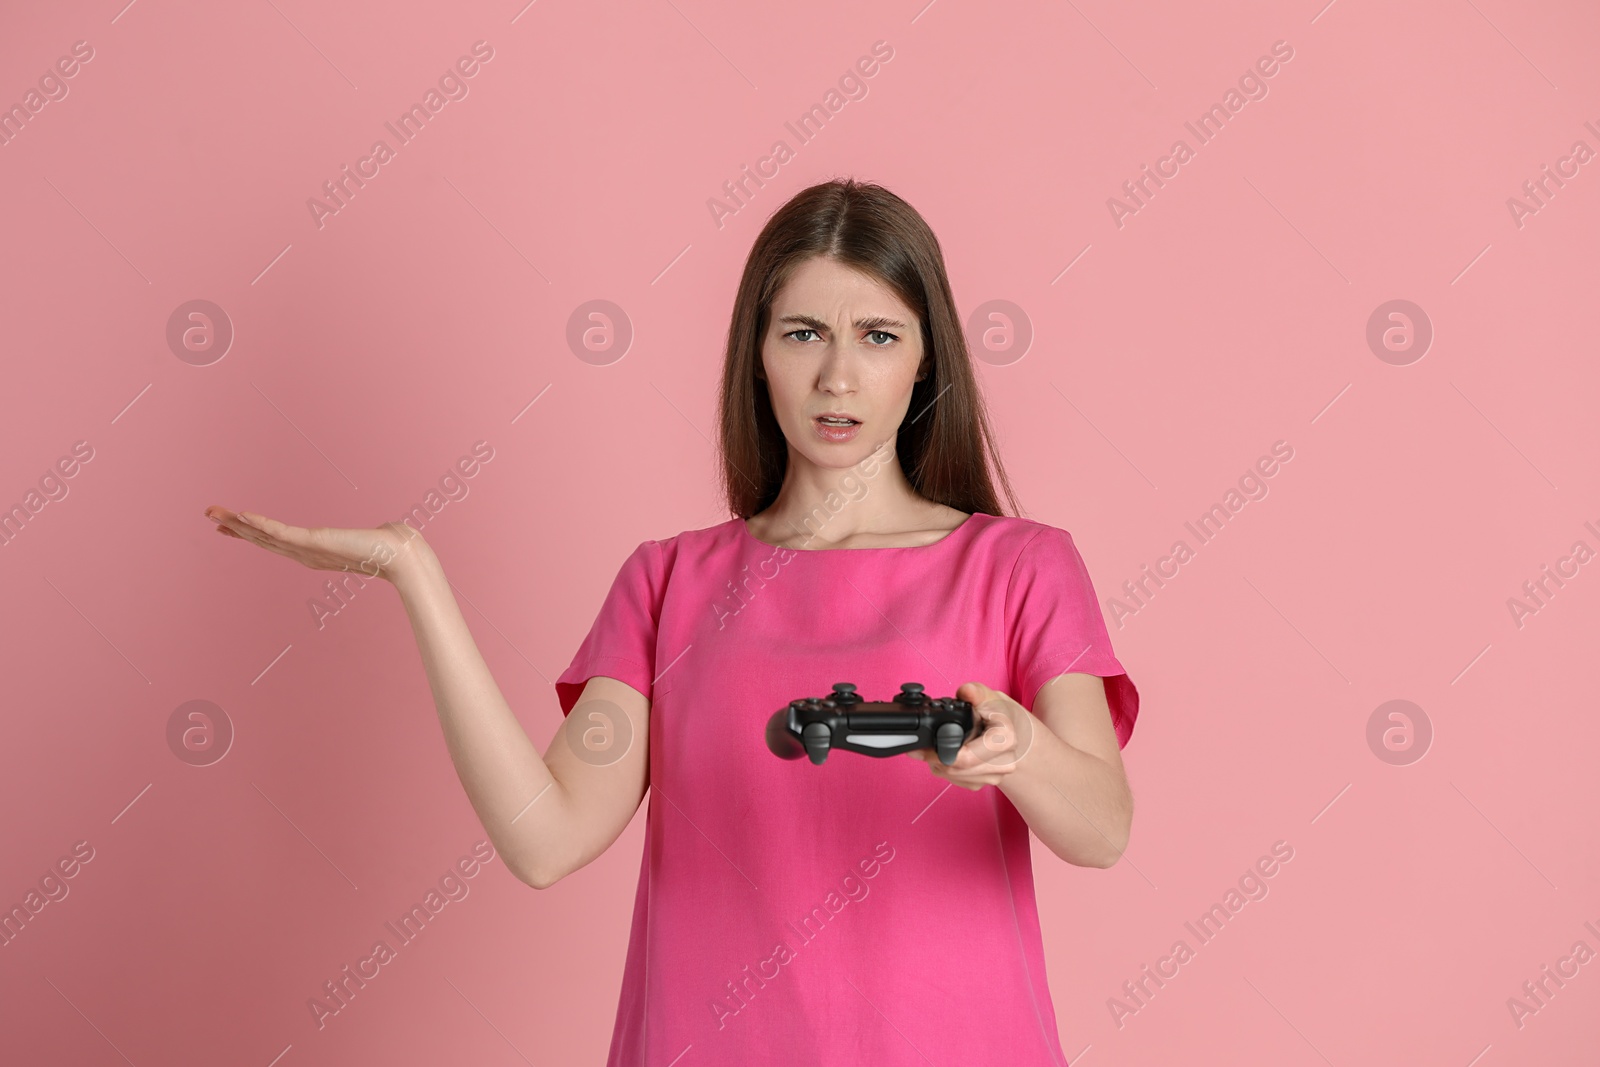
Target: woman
[[856, 911]]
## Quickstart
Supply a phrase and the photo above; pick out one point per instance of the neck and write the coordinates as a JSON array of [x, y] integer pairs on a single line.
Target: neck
[[874, 496]]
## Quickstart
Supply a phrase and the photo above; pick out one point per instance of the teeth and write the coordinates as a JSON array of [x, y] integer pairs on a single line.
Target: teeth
[[837, 422]]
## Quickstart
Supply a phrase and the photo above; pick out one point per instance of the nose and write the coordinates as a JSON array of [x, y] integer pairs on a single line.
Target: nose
[[837, 372]]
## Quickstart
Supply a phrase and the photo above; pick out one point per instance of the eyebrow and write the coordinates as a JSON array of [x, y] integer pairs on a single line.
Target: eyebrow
[[875, 322]]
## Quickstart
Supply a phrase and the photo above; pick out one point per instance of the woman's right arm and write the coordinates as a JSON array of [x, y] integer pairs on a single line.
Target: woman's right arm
[[547, 817]]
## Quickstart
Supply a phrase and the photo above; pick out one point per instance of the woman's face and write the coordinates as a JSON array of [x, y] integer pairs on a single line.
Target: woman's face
[[839, 341]]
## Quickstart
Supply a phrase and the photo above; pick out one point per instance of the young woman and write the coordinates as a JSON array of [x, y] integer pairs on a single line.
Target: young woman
[[860, 910]]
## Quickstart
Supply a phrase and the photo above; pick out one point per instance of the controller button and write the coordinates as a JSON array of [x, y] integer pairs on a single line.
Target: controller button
[[948, 741], [884, 720], [880, 740], [816, 737]]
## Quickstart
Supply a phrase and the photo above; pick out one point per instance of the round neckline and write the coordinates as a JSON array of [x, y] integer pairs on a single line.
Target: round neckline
[[950, 536]]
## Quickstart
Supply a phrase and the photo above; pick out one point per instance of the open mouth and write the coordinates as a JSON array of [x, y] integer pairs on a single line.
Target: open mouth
[[836, 428]]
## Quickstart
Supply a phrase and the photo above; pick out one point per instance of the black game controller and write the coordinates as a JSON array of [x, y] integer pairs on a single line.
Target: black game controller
[[811, 727]]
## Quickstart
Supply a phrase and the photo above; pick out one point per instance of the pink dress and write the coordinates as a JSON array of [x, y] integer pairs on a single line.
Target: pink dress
[[861, 911]]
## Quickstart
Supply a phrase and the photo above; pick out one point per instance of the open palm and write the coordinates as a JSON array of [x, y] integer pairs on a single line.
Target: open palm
[[376, 553]]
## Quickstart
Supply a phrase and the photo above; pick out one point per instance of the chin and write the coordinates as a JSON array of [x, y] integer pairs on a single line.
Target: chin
[[837, 459]]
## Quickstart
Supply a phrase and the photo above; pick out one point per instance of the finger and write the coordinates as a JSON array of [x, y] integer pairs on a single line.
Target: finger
[[973, 693], [270, 541], [280, 531], [989, 706], [230, 519], [270, 532]]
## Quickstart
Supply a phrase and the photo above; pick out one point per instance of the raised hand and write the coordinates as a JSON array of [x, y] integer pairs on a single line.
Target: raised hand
[[377, 553]]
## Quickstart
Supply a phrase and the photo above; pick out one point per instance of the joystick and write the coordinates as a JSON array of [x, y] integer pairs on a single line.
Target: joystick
[[815, 726]]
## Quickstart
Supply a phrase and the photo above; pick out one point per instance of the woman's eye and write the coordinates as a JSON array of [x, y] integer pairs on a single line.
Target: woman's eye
[[889, 337]]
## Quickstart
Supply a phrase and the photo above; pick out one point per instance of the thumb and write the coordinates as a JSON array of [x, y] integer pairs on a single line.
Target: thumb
[[975, 693]]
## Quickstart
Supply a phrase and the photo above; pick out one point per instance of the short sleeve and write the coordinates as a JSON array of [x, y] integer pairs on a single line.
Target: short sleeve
[[622, 642], [1056, 627]]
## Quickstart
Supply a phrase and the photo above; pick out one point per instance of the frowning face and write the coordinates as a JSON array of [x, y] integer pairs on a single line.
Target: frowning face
[[839, 342]]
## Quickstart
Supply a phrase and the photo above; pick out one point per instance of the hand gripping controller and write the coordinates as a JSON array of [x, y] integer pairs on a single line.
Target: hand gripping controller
[[811, 727]]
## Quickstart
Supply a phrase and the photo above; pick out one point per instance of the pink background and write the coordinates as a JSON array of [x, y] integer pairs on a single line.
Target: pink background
[[1229, 313]]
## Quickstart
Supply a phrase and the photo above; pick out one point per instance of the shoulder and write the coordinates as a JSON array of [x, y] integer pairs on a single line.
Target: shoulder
[[1009, 536], [706, 539], [1035, 554], [664, 554]]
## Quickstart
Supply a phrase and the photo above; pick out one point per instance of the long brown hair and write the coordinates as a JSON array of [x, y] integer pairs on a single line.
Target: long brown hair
[[945, 445]]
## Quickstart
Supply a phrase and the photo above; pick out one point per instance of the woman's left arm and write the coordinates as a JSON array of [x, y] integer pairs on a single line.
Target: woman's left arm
[[1061, 767]]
